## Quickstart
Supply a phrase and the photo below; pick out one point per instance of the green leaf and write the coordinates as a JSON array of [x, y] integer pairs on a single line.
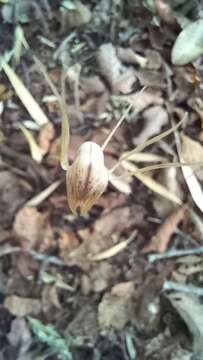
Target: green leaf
[[189, 44], [48, 335]]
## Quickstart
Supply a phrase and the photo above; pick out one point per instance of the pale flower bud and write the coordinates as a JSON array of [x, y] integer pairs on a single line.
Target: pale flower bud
[[87, 178]]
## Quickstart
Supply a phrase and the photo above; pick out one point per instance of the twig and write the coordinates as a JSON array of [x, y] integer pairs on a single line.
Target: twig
[[7, 249], [49, 259], [175, 253], [170, 285]]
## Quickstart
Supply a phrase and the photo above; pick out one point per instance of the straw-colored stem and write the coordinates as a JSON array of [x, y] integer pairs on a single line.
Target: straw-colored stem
[[168, 165], [65, 128], [123, 117]]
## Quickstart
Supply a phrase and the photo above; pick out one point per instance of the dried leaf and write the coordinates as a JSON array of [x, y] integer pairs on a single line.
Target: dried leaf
[[36, 152], [160, 241], [194, 186], [115, 309], [144, 157], [109, 64], [169, 179], [128, 56], [165, 12], [78, 16], [19, 306], [142, 100], [46, 135], [32, 229], [25, 96], [114, 250], [192, 152], [119, 184], [189, 44], [155, 118], [190, 309], [43, 195]]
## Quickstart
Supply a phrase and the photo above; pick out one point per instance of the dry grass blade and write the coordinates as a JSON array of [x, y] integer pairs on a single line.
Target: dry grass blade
[[65, 128], [160, 241], [43, 195], [144, 157], [25, 96], [36, 152], [149, 142], [114, 250], [151, 183], [167, 165]]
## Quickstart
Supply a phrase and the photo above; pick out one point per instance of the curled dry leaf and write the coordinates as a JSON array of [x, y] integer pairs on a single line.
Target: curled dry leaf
[[160, 241], [155, 118]]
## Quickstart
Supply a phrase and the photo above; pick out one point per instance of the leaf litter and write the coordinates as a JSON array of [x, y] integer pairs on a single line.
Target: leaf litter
[[85, 276]]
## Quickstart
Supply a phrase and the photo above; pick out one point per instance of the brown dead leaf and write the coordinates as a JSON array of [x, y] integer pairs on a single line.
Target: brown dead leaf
[[115, 309], [142, 100], [103, 235], [160, 241], [19, 306], [46, 135], [155, 118], [32, 229]]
